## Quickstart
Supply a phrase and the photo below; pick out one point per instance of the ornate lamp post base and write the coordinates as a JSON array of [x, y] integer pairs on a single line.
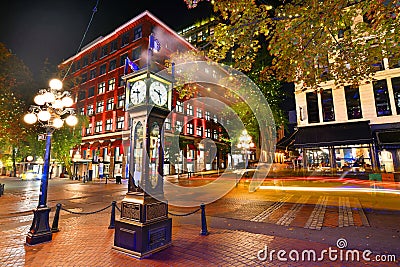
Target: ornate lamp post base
[[144, 227], [40, 230]]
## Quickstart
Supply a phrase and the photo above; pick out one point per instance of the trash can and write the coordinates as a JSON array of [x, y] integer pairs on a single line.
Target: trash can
[[90, 175]]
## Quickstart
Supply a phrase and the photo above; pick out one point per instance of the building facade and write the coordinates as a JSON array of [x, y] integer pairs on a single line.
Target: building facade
[[96, 74], [351, 127]]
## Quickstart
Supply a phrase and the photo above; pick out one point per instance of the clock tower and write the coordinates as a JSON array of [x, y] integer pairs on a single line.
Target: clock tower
[[144, 226]]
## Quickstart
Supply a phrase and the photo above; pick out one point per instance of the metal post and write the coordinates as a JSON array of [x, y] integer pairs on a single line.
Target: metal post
[[40, 229], [112, 219], [54, 227], [46, 167], [204, 230]]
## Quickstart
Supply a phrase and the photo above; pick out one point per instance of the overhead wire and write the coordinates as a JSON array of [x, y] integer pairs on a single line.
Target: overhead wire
[[83, 37]]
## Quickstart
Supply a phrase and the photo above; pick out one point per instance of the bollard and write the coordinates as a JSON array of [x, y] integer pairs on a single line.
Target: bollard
[[54, 227], [204, 230], [112, 219], [2, 189]]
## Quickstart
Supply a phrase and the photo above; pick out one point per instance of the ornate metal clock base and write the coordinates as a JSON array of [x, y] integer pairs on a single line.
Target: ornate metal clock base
[[144, 227]]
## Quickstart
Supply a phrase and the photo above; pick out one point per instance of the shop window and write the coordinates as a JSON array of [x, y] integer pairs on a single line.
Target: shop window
[[381, 94], [353, 102], [396, 93], [312, 107], [328, 111]]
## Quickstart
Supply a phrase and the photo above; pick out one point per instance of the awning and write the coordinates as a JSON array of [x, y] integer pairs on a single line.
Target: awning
[[191, 147], [337, 134]]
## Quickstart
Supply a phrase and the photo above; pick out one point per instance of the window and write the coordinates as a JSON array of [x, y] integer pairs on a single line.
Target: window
[[167, 124], [125, 39], [85, 61], [94, 56], [101, 88], [111, 84], [82, 111], [120, 81], [208, 133], [104, 51], [215, 118], [91, 92], [312, 107], [99, 106], [353, 102], [120, 123], [199, 113], [78, 65], [199, 131], [103, 69], [207, 115], [136, 53], [84, 78], [189, 128], [109, 123], [113, 46], [189, 109], [215, 133], [89, 110], [179, 106], [99, 126], [396, 93], [381, 94], [122, 59], [110, 104], [179, 126], [89, 129], [112, 65], [328, 111], [137, 33], [121, 101], [81, 95], [92, 74]]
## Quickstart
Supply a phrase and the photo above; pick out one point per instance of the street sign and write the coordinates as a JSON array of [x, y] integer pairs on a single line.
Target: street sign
[[41, 137]]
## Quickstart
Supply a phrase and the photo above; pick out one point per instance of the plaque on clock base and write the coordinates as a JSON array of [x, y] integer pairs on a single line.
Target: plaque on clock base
[[144, 227]]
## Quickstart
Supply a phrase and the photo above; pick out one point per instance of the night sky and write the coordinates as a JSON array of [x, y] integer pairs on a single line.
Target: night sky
[[53, 29]]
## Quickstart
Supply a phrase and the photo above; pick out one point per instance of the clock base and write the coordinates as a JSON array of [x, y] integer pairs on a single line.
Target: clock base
[[144, 227]]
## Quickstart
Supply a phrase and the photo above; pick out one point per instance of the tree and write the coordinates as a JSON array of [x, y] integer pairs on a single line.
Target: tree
[[311, 40], [65, 139], [15, 78]]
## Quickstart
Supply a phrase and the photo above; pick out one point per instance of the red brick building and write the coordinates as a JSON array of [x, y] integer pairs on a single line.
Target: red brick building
[[97, 72]]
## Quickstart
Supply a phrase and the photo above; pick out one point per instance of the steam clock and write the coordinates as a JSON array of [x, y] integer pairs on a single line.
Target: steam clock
[[144, 226]]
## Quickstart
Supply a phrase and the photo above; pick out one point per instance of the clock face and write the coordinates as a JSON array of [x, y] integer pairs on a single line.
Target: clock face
[[138, 92], [158, 93]]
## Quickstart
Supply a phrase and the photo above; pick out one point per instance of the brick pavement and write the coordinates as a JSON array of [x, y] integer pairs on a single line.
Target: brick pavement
[[87, 241]]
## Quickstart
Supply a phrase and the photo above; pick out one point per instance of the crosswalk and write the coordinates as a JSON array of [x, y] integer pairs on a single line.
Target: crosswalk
[[313, 212]]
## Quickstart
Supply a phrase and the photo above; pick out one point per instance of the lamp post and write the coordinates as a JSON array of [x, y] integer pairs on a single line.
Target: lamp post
[[245, 143], [52, 108]]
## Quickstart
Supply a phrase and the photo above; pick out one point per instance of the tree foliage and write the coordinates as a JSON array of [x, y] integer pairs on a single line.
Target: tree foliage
[[311, 40]]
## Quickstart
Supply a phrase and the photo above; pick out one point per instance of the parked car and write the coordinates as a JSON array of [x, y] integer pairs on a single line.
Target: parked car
[[30, 175]]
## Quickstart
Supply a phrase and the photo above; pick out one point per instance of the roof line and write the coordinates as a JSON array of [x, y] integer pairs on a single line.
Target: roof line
[[143, 14]]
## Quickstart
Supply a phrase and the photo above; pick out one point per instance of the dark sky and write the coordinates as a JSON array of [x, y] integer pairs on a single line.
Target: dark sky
[[38, 29]]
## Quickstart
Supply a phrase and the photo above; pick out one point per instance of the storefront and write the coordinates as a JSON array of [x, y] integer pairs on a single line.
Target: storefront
[[338, 147]]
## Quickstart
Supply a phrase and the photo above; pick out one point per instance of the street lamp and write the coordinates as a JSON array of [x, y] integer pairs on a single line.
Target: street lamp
[[52, 108], [245, 143]]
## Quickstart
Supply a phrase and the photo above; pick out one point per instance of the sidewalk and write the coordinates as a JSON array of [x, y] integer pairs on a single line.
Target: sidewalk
[[87, 241]]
